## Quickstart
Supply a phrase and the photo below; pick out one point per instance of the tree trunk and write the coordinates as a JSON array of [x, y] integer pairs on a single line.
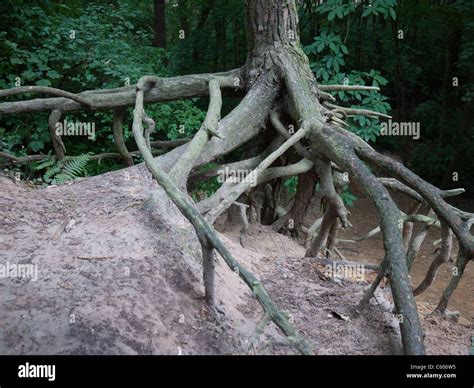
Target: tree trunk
[[272, 26], [160, 24]]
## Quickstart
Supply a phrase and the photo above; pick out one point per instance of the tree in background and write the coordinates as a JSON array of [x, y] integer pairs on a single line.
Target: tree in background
[[160, 24]]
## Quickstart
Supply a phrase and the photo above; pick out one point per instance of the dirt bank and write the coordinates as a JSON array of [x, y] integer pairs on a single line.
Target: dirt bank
[[113, 280]]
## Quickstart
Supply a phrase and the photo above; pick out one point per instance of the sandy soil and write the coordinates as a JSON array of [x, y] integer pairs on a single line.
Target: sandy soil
[[371, 251], [113, 280], [301, 287]]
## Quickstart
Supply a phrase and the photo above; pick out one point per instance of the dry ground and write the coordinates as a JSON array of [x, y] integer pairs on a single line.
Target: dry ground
[[117, 281]]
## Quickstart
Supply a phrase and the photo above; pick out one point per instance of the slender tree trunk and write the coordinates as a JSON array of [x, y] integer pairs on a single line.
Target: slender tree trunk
[[160, 24]]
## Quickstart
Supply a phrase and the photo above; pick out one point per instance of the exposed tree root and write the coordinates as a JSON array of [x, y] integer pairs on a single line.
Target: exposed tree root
[[117, 127], [458, 271], [58, 144], [442, 257], [181, 170], [250, 179], [320, 240], [257, 333], [340, 147], [456, 220], [207, 233], [47, 90], [347, 88], [416, 241], [354, 111], [166, 89], [278, 83]]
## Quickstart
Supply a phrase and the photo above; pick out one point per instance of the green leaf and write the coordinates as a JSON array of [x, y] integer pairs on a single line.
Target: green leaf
[[329, 63], [331, 15], [53, 74], [29, 74], [36, 145], [43, 82], [16, 61]]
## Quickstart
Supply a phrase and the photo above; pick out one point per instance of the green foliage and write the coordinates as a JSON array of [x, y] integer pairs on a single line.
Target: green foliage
[[100, 48], [339, 9], [335, 9], [347, 42], [177, 120], [60, 171], [327, 53], [386, 8], [214, 36], [347, 197], [291, 184], [76, 47], [437, 44], [329, 65], [205, 188]]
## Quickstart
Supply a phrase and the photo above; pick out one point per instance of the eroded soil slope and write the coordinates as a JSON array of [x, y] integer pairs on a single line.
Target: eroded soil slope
[[114, 280]]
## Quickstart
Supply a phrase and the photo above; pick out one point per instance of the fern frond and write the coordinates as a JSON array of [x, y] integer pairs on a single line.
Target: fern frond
[[52, 171], [75, 166], [67, 169]]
